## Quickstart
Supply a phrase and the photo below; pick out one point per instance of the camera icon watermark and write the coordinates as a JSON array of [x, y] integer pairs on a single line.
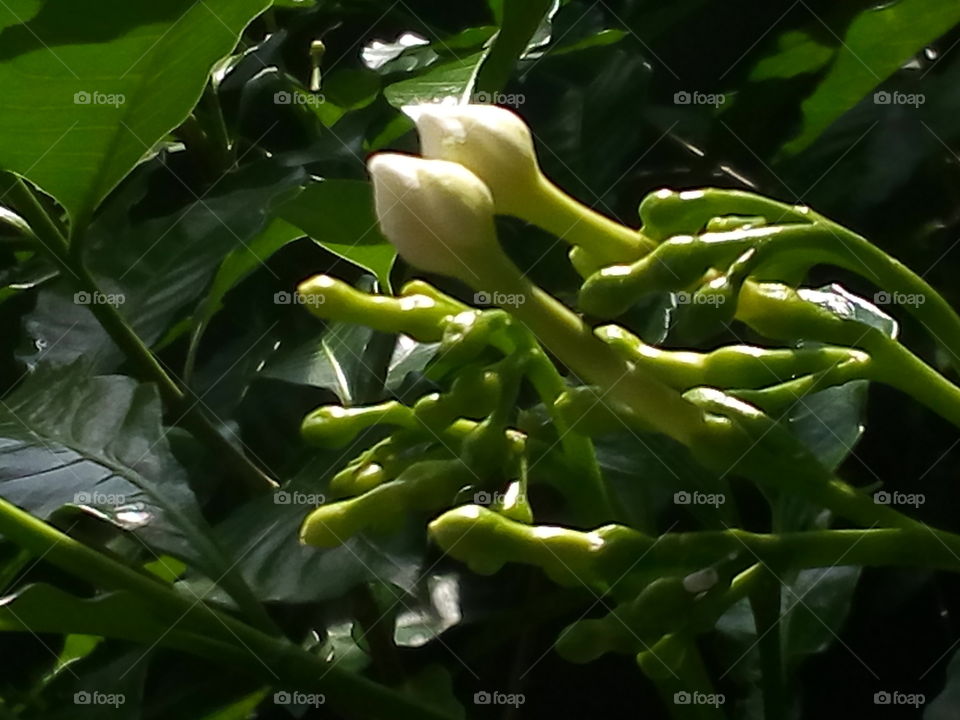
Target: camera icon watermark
[[683, 497], [886, 497], [295, 497], [687, 298], [299, 699], [99, 298], [283, 97], [682, 697], [485, 497], [898, 298], [99, 98], [513, 100], [499, 299], [687, 97], [95, 697], [886, 697], [885, 97], [294, 298], [99, 498], [484, 697]]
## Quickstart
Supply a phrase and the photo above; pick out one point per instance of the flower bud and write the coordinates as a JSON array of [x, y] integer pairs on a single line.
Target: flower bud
[[492, 142], [497, 146], [437, 214]]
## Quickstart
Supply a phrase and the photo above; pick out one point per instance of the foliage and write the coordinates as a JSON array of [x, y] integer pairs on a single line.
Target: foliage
[[173, 172]]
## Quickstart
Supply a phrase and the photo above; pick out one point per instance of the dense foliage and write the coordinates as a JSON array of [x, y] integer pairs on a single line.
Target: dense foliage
[[175, 417]]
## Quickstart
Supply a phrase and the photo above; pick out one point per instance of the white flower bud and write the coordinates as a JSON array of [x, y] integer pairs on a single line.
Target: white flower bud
[[496, 145], [437, 214], [492, 142]]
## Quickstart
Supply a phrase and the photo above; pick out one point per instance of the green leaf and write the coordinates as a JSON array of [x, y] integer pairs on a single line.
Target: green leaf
[[339, 215], [116, 77], [240, 263], [799, 54], [158, 265], [521, 20], [877, 43], [433, 686], [98, 443], [408, 356], [264, 534], [815, 606], [455, 79]]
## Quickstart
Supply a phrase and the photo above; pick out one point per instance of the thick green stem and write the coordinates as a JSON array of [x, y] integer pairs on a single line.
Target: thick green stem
[[564, 334], [895, 365], [283, 663], [578, 448], [606, 240]]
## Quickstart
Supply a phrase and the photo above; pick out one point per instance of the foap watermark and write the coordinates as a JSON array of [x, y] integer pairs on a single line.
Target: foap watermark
[[687, 298], [95, 697], [98, 298], [885, 97], [682, 697], [898, 298], [485, 497], [294, 298], [483, 697], [500, 299], [98, 98], [295, 497], [687, 97], [498, 98], [282, 97], [682, 497], [895, 697], [99, 498], [299, 699], [885, 497]]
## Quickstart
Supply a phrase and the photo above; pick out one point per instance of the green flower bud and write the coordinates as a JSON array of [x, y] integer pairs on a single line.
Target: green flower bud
[[333, 426]]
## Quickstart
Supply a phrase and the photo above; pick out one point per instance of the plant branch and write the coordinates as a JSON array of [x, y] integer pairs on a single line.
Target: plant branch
[[180, 402], [282, 661]]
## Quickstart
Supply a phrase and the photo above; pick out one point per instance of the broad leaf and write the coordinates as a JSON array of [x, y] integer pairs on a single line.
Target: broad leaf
[[878, 42], [116, 76], [333, 361], [155, 267], [338, 214], [451, 80], [98, 443]]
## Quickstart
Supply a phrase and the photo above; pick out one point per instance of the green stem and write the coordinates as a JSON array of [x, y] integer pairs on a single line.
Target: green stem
[[282, 662], [606, 240], [177, 400], [895, 365], [564, 334], [765, 602], [577, 448]]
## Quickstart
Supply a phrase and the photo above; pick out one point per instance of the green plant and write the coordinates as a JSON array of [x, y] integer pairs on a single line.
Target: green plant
[[722, 404], [332, 388]]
